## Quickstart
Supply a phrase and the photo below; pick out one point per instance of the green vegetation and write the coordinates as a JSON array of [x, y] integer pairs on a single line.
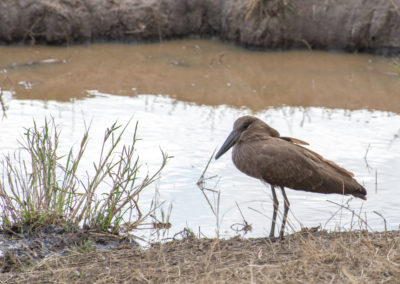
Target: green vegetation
[[85, 247], [40, 187]]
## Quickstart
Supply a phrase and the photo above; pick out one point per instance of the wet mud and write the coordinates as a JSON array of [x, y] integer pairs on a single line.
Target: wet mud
[[370, 26], [22, 248]]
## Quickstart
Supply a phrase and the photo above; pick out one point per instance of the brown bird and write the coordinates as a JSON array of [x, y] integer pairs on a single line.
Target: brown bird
[[260, 152]]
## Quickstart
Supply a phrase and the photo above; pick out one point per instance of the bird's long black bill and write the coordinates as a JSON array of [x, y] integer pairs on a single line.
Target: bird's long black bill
[[229, 142]]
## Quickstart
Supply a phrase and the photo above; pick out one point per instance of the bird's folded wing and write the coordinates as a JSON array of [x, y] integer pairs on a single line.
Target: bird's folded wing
[[294, 140], [332, 164]]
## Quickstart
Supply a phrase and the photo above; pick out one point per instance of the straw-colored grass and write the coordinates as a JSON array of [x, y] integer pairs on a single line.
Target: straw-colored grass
[[305, 257], [261, 8]]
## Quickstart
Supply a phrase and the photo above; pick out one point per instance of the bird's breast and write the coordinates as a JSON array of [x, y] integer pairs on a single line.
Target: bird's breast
[[244, 156]]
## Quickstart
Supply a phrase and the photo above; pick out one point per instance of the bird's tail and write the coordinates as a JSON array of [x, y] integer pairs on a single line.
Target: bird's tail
[[360, 192]]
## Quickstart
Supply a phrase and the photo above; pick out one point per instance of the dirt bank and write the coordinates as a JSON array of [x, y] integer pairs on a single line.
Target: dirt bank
[[370, 25], [319, 257]]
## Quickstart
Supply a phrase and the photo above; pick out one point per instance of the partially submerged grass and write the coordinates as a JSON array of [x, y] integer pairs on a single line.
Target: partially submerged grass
[[40, 187], [396, 64], [2, 104], [216, 196]]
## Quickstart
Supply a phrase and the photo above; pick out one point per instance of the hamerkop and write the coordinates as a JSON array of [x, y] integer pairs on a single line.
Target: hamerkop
[[260, 152]]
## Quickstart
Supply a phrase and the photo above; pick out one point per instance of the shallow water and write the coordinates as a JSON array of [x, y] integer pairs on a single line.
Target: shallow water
[[204, 72], [186, 96]]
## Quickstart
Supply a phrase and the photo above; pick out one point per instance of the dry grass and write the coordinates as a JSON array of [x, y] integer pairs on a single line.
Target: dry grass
[[267, 7], [321, 257]]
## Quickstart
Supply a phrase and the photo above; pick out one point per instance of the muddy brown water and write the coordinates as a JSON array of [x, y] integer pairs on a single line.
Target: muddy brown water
[[186, 95]]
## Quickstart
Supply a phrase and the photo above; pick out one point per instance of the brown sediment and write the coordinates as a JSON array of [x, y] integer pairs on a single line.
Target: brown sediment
[[204, 72], [372, 25]]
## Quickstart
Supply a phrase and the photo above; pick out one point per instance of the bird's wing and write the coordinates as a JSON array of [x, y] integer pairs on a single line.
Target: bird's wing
[[330, 163], [294, 140], [283, 163]]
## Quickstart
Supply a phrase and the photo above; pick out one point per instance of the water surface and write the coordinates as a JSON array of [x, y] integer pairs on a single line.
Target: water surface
[[204, 72], [187, 94]]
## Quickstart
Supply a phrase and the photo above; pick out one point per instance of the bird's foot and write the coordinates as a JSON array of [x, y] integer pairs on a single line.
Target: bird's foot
[[272, 238]]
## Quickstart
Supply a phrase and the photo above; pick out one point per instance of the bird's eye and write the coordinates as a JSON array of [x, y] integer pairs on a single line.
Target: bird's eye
[[245, 126]]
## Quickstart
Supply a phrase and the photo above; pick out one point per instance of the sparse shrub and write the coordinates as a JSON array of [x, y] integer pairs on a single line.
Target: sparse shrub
[[36, 188]]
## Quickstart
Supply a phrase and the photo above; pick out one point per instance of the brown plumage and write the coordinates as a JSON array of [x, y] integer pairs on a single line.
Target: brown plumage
[[260, 152]]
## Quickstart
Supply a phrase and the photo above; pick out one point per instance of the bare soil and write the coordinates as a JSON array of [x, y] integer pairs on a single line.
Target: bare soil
[[371, 25], [304, 257], [21, 248]]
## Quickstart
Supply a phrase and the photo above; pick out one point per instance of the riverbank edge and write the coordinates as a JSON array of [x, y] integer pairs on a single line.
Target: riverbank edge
[[352, 26], [314, 257]]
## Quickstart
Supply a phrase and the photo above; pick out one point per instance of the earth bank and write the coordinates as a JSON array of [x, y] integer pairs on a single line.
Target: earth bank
[[370, 26]]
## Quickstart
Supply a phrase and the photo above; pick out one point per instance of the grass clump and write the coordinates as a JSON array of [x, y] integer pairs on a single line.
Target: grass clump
[[268, 7], [40, 187]]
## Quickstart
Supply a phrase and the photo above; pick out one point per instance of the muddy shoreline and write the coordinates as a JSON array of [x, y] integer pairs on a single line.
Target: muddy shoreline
[[353, 26], [306, 256]]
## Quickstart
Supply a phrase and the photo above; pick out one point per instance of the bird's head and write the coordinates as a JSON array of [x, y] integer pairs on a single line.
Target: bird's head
[[241, 125]]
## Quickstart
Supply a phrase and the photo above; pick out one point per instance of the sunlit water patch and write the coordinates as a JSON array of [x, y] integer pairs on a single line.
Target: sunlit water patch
[[364, 142]]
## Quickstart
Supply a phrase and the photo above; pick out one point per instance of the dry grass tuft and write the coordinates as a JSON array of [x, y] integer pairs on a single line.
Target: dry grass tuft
[[304, 257], [262, 8]]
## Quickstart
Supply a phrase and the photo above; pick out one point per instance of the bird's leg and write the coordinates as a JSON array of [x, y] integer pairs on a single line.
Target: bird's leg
[[285, 212], [276, 205]]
